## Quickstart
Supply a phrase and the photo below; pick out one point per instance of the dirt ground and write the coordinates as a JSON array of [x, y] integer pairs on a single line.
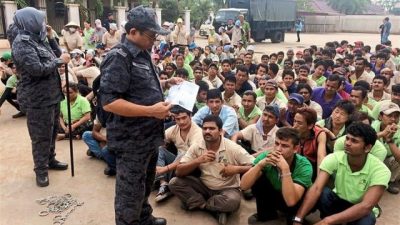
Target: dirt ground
[[18, 191]]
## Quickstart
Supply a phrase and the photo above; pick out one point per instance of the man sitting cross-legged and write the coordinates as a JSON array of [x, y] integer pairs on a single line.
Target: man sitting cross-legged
[[279, 178], [360, 181], [221, 162], [182, 135]]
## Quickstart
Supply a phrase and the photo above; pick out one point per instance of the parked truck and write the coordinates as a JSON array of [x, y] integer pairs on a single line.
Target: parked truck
[[269, 19]]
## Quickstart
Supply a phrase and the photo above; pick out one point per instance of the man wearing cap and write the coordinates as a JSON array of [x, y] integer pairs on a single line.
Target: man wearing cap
[[39, 89], [270, 91], [71, 37], [295, 101], [108, 21], [246, 28], [135, 129], [179, 34], [388, 131], [5, 70]]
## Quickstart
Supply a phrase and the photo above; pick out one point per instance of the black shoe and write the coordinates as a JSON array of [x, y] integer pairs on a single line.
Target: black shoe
[[159, 221], [254, 219], [392, 188], [90, 153], [19, 114], [109, 171], [56, 165], [248, 195], [42, 180]]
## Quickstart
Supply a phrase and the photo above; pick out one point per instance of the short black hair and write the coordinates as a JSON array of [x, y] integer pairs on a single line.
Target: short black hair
[[287, 72], [299, 62], [176, 109], [335, 77], [364, 60], [364, 91], [305, 67], [263, 65], [231, 79], [213, 94], [226, 61], [203, 86], [242, 68], [396, 88], [182, 71], [274, 68], [383, 78], [366, 132], [302, 86], [215, 119], [320, 63], [288, 133], [345, 105], [363, 84], [250, 93]]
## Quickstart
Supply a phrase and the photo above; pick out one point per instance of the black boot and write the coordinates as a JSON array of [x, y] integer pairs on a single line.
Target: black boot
[[42, 180], [57, 165]]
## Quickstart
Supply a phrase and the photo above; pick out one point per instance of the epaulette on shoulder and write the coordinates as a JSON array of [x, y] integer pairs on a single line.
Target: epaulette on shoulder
[[25, 37], [122, 52]]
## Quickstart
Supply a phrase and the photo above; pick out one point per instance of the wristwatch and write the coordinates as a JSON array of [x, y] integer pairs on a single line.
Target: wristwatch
[[298, 220]]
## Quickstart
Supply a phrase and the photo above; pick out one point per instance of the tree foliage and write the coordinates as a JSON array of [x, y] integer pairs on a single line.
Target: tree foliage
[[388, 4], [349, 7], [304, 5]]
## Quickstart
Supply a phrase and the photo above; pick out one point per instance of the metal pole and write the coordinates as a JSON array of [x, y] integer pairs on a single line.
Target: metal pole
[[71, 146]]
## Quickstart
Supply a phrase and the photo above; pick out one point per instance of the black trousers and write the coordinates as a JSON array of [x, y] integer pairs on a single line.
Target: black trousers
[[298, 35], [43, 126], [136, 168], [269, 200], [10, 97]]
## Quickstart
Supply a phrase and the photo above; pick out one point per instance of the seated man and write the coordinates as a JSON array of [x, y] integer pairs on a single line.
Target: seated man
[[248, 113], [182, 135], [278, 178], [387, 128], [295, 102], [360, 181], [96, 140], [270, 98], [262, 134], [231, 98], [216, 108], [221, 162], [327, 96], [201, 97]]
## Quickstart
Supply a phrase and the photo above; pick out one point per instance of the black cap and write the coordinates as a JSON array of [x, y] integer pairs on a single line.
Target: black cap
[[145, 19]]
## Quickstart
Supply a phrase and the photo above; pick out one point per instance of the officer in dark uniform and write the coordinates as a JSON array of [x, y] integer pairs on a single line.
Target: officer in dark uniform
[[39, 89], [131, 90]]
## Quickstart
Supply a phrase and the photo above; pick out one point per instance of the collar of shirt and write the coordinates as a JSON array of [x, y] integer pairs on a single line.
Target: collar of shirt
[[133, 49]]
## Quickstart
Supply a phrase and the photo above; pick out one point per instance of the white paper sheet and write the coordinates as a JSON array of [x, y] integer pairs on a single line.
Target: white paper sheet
[[183, 95]]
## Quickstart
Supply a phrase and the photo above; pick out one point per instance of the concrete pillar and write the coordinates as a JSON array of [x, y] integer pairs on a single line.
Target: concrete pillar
[[158, 13], [73, 13], [10, 7], [187, 20], [41, 5], [121, 15]]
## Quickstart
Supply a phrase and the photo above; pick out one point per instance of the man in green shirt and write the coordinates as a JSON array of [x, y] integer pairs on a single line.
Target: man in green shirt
[[278, 178], [388, 131], [360, 181], [358, 96], [246, 28], [248, 113]]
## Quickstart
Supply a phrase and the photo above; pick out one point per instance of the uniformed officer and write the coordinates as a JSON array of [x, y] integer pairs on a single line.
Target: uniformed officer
[[39, 90], [131, 90]]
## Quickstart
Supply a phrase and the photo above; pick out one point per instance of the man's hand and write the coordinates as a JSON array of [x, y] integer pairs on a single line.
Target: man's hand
[[175, 80], [160, 110], [65, 57], [228, 170], [282, 164], [323, 222], [161, 170], [207, 156]]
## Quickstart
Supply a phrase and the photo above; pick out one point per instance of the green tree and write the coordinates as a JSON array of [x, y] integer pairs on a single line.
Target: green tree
[[170, 11], [349, 7], [388, 4], [304, 5]]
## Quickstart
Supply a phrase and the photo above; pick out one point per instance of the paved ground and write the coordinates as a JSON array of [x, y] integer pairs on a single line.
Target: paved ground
[[18, 191]]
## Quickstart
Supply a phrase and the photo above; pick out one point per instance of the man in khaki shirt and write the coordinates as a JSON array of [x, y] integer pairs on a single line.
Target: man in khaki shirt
[[231, 98], [184, 134], [221, 162], [261, 135]]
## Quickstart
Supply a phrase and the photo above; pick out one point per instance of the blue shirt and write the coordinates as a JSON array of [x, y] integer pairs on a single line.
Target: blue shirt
[[327, 107], [227, 115]]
